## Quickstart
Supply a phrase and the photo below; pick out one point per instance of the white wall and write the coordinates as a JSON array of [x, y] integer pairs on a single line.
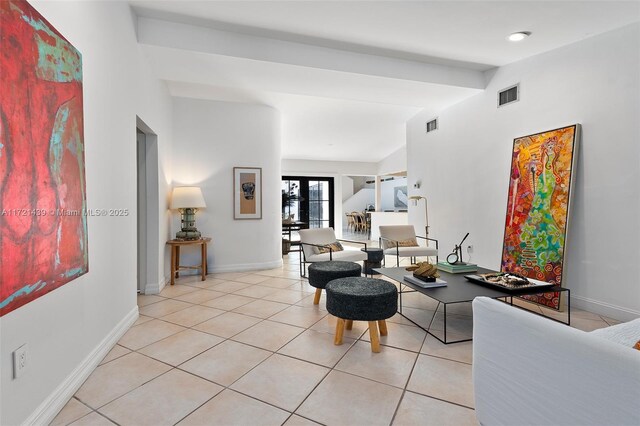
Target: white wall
[[211, 138], [594, 82], [347, 188], [393, 163], [68, 330], [386, 190], [353, 168], [154, 107], [360, 182], [379, 219], [359, 201]]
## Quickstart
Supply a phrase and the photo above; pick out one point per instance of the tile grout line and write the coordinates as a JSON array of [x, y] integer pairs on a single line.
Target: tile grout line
[[243, 375], [288, 356], [404, 390], [443, 400], [271, 355], [171, 367], [97, 410], [446, 359], [354, 342], [324, 377], [274, 353]]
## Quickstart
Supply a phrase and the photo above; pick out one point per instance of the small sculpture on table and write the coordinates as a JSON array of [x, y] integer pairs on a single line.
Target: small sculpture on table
[[424, 271]]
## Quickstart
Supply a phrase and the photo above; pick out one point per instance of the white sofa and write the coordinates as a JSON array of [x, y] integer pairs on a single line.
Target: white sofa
[[529, 370]]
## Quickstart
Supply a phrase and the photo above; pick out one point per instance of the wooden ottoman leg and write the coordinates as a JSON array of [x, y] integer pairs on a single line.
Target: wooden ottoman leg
[[382, 325], [316, 298], [373, 334], [339, 332], [349, 324]]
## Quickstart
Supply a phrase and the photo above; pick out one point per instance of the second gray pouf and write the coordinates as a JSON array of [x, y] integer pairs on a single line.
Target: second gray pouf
[[321, 273], [362, 299]]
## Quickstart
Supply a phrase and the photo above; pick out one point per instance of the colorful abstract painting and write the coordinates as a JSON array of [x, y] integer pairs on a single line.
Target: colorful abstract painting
[[43, 228], [538, 207]]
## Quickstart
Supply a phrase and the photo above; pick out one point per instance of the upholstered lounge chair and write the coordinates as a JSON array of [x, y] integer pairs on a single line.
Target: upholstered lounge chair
[[392, 238], [313, 239]]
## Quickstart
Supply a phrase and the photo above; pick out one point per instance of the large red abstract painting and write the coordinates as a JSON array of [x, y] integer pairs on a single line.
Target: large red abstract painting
[[43, 227], [542, 168]]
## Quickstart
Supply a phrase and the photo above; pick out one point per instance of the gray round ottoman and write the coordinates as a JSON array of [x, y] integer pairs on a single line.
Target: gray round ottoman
[[320, 273], [362, 299]]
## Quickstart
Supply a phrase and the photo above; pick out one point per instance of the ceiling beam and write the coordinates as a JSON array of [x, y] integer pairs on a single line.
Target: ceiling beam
[[161, 33]]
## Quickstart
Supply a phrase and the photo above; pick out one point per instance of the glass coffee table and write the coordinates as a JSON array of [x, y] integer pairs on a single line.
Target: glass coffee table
[[460, 290]]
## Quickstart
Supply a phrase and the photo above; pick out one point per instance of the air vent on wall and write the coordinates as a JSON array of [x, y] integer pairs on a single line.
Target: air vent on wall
[[432, 125], [508, 95]]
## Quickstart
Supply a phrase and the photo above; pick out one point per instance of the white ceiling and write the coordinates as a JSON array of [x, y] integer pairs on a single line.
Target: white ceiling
[[326, 115], [357, 113], [470, 31]]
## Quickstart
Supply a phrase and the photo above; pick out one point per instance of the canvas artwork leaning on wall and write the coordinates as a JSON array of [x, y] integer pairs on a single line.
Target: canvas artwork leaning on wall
[[542, 169], [43, 227]]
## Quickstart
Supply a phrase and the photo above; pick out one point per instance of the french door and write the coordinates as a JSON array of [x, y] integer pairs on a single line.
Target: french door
[[309, 200]]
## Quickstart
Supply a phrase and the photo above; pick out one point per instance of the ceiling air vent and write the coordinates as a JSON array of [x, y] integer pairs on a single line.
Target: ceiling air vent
[[509, 95], [432, 125]]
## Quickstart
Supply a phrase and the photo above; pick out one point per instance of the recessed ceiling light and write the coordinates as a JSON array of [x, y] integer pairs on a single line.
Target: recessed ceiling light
[[521, 35]]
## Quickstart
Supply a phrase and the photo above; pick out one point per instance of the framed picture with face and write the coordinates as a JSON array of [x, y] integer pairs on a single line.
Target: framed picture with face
[[247, 193]]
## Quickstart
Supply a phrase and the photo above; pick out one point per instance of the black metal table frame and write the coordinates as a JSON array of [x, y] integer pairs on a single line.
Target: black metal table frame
[[505, 297]]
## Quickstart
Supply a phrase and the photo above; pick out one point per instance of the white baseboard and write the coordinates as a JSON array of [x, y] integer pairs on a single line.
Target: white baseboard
[[241, 267], [152, 288], [51, 406], [155, 288], [601, 308], [238, 267]]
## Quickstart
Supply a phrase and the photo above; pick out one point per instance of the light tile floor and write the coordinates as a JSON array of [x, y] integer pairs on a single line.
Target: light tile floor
[[252, 349]]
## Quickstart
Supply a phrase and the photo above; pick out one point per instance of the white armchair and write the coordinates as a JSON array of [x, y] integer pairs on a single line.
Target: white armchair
[[313, 239], [393, 236]]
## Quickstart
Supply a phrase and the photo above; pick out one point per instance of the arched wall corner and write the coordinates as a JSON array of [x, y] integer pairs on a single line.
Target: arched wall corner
[[210, 139]]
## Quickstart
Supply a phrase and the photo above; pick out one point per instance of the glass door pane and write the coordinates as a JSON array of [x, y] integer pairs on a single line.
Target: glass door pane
[[312, 200], [291, 199], [319, 210]]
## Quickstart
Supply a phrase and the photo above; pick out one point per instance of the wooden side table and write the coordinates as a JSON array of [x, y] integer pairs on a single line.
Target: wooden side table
[[175, 256]]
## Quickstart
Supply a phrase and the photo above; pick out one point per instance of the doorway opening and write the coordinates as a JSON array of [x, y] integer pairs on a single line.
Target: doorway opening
[[309, 200], [148, 277]]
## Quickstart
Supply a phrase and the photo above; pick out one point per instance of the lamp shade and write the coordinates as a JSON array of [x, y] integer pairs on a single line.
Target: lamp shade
[[186, 197], [415, 198]]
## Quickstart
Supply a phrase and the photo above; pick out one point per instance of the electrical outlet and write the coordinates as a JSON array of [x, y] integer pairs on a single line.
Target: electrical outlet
[[19, 361], [470, 249]]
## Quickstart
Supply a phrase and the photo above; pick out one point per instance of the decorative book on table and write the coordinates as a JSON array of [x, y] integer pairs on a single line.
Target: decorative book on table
[[424, 284], [457, 268]]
